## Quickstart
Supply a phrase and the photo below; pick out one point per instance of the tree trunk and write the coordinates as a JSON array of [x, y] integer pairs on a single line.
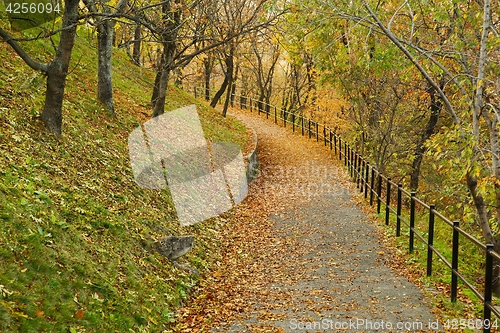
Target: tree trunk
[[260, 103], [159, 108], [104, 62], [52, 110], [268, 103], [136, 51], [58, 70], [172, 20], [207, 89], [227, 79], [156, 86], [229, 73], [178, 77], [159, 72], [162, 78], [435, 108], [207, 72], [219, 93], [482, 214], [492, 123], [233, 84], [228, 96]]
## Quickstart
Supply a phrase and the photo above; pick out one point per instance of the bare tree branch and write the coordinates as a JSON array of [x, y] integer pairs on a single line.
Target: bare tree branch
[[410, 57], [38, 66]]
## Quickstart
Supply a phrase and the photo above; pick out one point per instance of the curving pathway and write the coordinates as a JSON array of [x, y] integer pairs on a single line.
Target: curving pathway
[[300, 256]]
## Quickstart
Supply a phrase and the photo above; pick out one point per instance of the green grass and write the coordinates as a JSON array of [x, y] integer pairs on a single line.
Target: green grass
[[76, 232]]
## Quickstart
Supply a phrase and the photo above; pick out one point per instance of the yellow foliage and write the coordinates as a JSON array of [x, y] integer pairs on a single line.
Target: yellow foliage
[[328, 109]]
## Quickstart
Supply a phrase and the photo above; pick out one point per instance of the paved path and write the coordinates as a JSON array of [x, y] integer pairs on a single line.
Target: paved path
[[311, 261]]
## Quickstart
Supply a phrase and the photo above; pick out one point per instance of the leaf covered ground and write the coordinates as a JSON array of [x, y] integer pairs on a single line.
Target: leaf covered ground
[[299, 251], [76, 232]]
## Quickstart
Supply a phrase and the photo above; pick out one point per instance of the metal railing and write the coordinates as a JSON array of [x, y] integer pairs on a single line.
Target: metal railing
[[375, 186]]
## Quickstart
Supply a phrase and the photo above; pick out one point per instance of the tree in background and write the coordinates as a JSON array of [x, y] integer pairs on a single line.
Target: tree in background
[[233, 18], [461, 47], [105, 36], [56, 70], [169, 26], [266, 52], [451, 54], [299, 91], [213, 25]]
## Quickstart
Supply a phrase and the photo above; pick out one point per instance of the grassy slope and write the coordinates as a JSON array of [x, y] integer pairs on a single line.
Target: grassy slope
[[76, 232]]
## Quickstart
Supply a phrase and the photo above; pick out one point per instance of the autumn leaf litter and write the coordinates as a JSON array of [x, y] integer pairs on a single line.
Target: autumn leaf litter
[[297, 251]]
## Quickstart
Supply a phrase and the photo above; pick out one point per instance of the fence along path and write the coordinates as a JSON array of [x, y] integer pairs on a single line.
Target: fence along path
[[321, 266], [379, 189]]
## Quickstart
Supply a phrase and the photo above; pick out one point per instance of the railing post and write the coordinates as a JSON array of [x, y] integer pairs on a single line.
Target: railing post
[[379, 192], [309, 127], [412, 220], [357, 164], [259, 105], [430, 239], [324, 134], [388, 202], [348, 159], [267, 111], [317, 135], [454, 262], [367, 175], [275, 115], [488, 283], [372, 182], [251, 106], [302, 123], [293, 122], [333, 144], [345, 153], [195, 93], [351, 164], [284, 118], [360, 172], [340, 146], [398, 210], [355, 168]]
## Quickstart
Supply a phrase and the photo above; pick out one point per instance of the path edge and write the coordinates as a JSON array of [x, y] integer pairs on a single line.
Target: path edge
[[252, 159]]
